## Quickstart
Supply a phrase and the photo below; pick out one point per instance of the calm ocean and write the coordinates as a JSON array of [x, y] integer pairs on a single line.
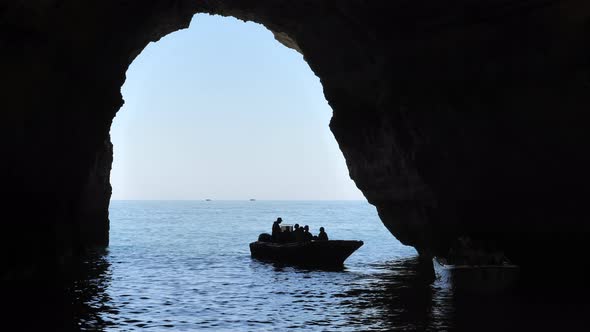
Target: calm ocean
[[186, 265]]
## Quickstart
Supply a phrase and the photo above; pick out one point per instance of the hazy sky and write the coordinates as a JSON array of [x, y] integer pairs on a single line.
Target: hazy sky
[[223, 111]]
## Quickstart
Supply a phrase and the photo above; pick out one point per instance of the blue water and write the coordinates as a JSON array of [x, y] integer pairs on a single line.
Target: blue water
[[186, 265]]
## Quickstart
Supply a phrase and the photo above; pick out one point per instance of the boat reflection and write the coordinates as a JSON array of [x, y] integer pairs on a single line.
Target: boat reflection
[[387, 296]]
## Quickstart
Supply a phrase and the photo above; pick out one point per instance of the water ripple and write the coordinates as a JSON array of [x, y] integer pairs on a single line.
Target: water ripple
[[175, 266]]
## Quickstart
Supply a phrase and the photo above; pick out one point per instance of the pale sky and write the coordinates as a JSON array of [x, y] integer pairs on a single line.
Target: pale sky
[[223, 111]]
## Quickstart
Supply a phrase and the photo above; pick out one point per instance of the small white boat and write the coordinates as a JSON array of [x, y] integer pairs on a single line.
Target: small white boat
[[485, 278]]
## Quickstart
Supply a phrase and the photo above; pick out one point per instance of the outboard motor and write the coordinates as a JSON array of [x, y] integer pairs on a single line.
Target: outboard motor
[[264, 237]]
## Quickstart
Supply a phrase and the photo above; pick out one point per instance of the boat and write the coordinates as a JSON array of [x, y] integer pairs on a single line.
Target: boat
[[481, 278], [324, 254], [252, 199]]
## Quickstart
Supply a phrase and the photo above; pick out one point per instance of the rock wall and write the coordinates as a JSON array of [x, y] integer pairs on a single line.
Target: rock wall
[[455, 117]]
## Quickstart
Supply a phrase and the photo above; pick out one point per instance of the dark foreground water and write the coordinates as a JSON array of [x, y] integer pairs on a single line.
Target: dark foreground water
[[185, 266]]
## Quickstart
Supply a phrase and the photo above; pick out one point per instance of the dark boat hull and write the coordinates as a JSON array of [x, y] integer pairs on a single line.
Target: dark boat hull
[[331, 253]]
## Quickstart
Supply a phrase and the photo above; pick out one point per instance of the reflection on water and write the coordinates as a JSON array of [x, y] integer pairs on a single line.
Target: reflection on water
[[389, 297], [71, 300], [174, 266], [93, 307], [394, 297]]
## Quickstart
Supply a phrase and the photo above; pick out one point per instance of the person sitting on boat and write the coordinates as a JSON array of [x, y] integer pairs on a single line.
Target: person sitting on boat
[[298, 233], [306, 234], [276, 229], [287, 236], [322, 236]]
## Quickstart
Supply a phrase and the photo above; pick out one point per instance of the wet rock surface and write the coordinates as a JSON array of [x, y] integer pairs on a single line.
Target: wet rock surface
[[455, 118]]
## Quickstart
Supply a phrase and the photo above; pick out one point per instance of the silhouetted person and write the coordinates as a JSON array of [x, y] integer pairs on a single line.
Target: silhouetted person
[[298, 233], [306, 234], [322, 236], [287, 235], [276, 230]]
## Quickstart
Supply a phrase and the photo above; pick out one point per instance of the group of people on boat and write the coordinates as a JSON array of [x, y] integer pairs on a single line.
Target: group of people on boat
[[297, 234]]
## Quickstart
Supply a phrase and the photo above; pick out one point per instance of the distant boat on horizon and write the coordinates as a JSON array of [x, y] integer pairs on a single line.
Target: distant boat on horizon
[[252, 199], [208, 199]]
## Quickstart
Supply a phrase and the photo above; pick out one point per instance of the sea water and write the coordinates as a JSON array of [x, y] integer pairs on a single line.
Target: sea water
[[186, 266]]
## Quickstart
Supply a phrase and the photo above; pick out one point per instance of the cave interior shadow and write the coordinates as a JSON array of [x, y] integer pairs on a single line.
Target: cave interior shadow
[[72, 300]]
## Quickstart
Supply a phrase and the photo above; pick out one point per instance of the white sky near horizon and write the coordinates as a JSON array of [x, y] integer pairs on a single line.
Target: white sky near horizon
[[223, 111]]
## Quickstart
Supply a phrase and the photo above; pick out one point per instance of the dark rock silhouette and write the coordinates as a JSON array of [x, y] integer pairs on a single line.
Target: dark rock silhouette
[[455, 117]]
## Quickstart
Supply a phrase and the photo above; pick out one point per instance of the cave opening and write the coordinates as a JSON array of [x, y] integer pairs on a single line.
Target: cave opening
[[223, 111], [214, 116]]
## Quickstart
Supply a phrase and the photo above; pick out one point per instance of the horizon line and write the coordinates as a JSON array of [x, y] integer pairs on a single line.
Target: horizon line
[[235, 200]]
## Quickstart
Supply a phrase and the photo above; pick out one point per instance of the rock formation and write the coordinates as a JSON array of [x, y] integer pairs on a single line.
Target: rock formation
[[455, 117]]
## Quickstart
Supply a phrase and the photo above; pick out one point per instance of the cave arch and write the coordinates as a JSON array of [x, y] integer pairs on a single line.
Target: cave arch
[[447, 113]]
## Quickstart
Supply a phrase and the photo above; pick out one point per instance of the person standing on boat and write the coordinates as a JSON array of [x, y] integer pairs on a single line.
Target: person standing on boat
[[323, 236], [276, 229]]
